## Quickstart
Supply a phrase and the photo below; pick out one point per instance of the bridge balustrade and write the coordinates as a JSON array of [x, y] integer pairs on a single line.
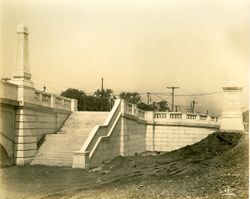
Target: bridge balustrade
[[176, 116], [203, 117], [160, 115], [191, 116], [51, 100], [128, 108], [131, 109], [140, 113]]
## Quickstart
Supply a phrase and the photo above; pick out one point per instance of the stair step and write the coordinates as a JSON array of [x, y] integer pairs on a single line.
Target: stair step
[[58, 149]]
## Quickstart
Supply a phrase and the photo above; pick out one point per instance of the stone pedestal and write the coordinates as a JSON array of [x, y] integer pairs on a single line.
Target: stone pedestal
[[231, 118], [81, 160]]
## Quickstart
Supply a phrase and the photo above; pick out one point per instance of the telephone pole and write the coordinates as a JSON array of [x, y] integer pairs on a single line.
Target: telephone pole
[[173, 88], [148, 94], [101, 93], [192, 105]]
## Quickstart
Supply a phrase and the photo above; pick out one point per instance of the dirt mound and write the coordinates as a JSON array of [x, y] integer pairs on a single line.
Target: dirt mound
[[213, 145], [214, 166]]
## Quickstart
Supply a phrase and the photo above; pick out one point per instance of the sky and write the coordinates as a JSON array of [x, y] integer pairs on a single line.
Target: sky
[[139, 45]]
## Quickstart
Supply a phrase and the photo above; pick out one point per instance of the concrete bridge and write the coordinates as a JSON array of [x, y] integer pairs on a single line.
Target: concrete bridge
[[42, 128]]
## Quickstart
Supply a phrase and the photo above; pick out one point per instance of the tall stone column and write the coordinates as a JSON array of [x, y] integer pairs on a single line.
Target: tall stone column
[[25, 146], [231, 118]]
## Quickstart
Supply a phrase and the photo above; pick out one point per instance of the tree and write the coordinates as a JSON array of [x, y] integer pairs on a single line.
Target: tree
[[75, 94], [104, 99], [92, 102], [132, 97], [163, 106]]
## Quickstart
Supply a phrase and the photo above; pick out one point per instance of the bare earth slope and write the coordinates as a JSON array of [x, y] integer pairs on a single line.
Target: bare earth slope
[[216, 167]]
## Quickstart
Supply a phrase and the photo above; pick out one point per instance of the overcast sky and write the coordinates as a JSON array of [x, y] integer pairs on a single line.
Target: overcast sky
[[139, 45]]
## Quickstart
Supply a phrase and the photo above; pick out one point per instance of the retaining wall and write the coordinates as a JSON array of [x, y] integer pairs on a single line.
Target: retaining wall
[[129, 130], [168, 138], [31, 124]]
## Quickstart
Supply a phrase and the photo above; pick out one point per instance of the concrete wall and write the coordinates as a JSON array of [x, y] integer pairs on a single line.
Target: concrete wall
[[32, 123], [127, 138], [131, 136], [7, 126], [131, 131], [168, 138], [135, 133], [109, 147]]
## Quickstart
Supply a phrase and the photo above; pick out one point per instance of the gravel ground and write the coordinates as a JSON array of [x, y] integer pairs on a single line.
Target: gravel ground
[[216, 167]]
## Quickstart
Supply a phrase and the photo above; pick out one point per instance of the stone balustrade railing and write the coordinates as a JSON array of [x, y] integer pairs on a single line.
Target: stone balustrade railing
[[8, 90], [140, 113], [129, 108], [171, 116], [132, 110], [54, 101]]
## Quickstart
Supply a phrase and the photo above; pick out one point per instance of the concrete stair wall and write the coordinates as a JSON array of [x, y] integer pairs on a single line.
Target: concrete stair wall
[[58, 149]]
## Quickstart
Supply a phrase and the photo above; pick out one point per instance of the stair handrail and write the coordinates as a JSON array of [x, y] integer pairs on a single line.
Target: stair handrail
[[7, 137], [90, 143]]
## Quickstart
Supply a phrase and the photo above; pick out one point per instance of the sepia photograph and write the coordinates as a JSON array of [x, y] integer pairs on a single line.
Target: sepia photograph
[[124, 99]]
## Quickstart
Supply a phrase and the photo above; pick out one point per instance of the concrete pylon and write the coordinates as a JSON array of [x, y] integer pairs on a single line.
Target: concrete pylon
[[231, 118], [22, 75]]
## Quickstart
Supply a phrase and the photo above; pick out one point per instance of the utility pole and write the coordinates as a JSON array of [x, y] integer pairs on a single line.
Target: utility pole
[[192, 105], [148, 94], [172, 88], [101, 94], [84, 103]]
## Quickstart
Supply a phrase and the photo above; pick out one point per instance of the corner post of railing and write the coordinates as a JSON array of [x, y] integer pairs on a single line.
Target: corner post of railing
[[74, 103], [134, 109], [150, 116], [167, 115], [40, 97], [123, 104], [184, 116], [63, 104], [209, 118], [81, 160], [52, 101]]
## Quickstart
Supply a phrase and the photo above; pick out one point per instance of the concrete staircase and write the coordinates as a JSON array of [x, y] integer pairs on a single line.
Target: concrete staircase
[[58, 149]]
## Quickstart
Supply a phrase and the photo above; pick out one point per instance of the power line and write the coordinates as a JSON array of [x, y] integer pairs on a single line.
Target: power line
[[199, 94]]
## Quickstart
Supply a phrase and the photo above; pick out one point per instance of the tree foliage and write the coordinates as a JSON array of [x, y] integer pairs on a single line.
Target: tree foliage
[[75, 94], [135, 98], [132, 97], [100, 101], [103, 100]]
